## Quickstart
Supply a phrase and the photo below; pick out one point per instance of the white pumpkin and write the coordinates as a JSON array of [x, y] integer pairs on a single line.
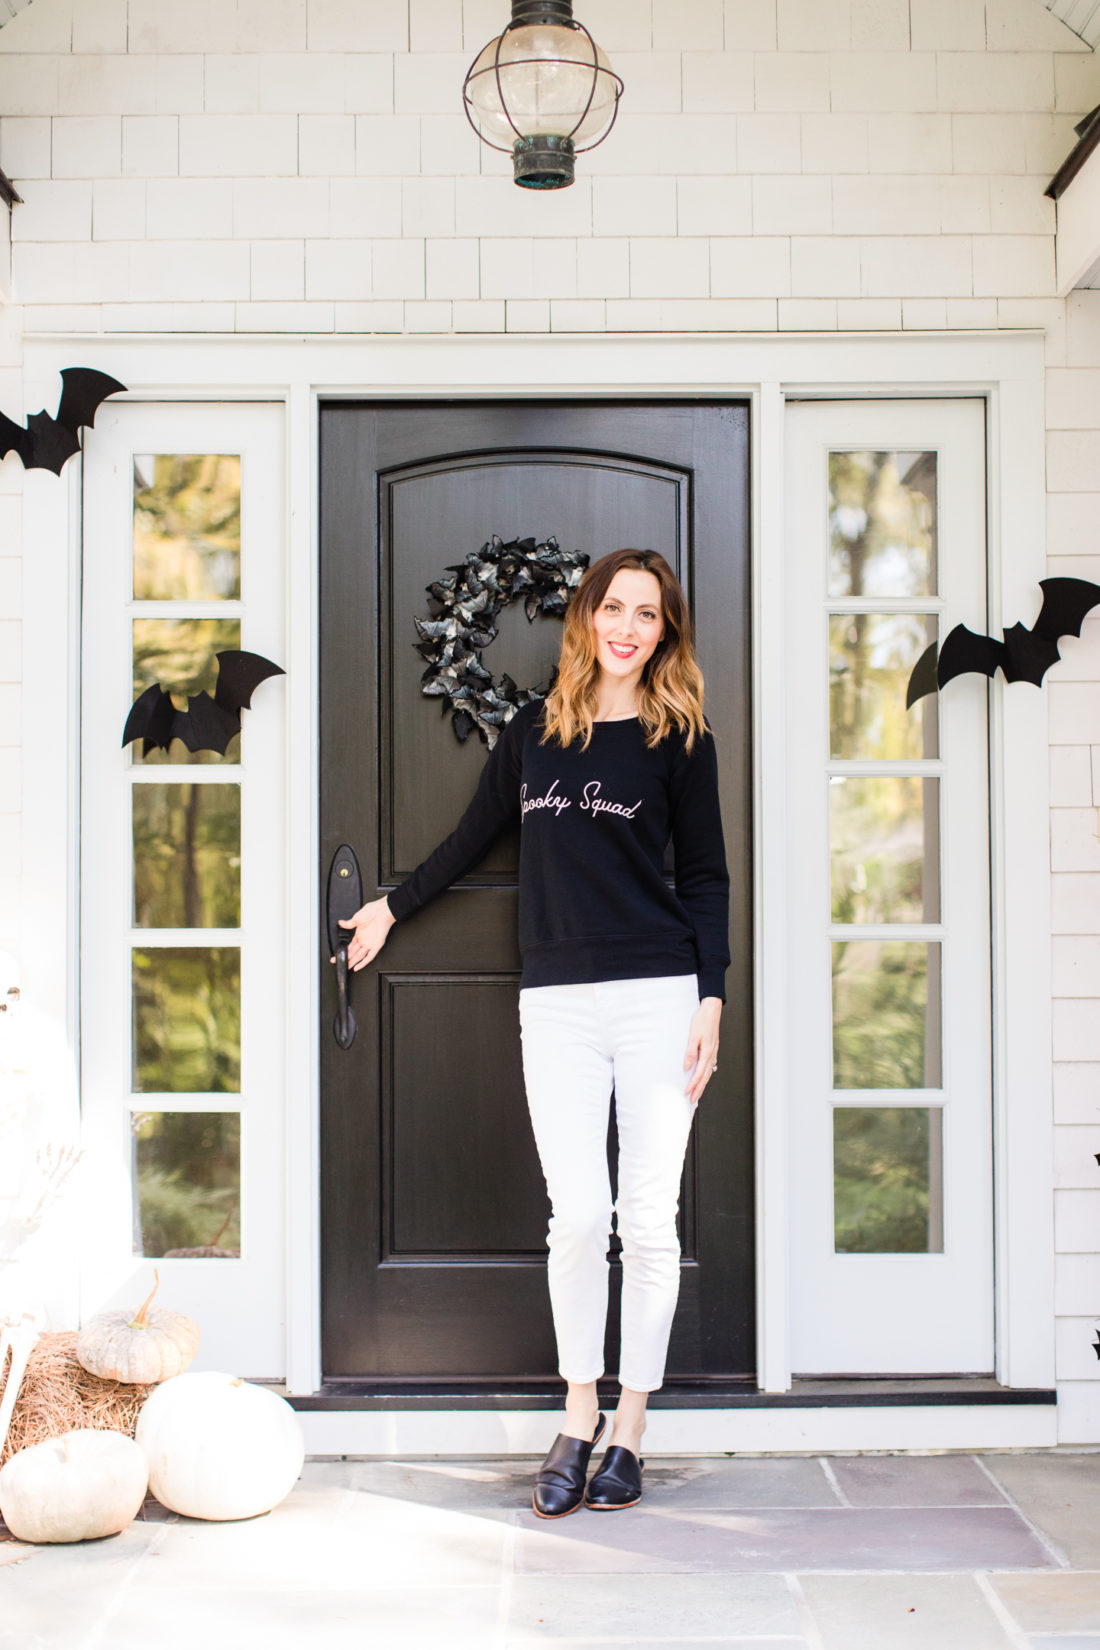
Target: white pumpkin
[[149, 1346], [219, 1447], [78, 1487]]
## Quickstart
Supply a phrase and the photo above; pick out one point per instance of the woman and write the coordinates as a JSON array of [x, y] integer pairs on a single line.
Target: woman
[[623, 979]]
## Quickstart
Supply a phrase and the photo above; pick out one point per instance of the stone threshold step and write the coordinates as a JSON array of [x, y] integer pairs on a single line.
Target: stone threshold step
[[443, 1394]]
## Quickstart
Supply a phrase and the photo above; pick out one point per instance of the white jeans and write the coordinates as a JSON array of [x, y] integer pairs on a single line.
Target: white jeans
[[578, 1042]]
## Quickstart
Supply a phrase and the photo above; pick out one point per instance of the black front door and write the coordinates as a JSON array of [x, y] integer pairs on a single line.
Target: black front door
[[434, 1209]]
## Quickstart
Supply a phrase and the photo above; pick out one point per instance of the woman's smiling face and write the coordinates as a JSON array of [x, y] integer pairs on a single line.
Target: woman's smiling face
[[628, 622]]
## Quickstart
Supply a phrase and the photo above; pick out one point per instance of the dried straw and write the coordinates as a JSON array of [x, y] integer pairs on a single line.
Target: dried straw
[[58, 1395]]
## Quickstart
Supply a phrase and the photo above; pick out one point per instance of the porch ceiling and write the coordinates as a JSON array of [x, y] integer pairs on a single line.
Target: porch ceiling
[[1082, 16]]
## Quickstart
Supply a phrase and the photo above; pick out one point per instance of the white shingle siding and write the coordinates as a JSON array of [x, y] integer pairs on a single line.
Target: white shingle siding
[[942, 200], [10, 788], [305, 166]]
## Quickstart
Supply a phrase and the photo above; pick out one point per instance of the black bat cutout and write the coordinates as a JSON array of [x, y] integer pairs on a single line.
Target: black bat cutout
[[208, 724], [1024, 655], [45, 443]]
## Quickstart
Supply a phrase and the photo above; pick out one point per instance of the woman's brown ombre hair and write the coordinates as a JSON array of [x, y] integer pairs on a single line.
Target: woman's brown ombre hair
[[671, 691]]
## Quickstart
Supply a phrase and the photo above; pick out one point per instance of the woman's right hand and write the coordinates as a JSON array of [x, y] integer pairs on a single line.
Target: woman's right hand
[[372, 923]]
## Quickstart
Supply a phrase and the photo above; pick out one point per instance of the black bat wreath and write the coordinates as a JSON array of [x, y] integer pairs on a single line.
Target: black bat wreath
[[1024, 655], [46, 443], [208, 724], [465, 610]]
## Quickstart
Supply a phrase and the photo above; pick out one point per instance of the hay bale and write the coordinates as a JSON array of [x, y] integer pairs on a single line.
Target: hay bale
[[58, 1395]]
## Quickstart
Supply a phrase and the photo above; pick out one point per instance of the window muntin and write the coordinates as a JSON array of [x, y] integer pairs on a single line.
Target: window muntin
[[186, 862], [884, 809]]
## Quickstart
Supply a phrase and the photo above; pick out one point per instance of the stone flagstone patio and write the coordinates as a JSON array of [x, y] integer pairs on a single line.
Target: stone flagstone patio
[[942, 1552]]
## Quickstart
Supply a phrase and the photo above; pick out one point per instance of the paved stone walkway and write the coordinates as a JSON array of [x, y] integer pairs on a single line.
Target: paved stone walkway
[[947, 1552]]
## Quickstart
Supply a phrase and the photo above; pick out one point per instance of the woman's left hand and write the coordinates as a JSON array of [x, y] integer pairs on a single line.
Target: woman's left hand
[[702, 1048]]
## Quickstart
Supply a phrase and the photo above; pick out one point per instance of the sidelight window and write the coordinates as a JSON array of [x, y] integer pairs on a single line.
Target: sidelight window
[[891, 1088], [183, 1025], [883, 778], [185, 995]]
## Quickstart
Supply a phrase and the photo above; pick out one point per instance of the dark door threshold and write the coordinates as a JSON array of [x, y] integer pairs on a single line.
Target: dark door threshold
[[959, 1390]]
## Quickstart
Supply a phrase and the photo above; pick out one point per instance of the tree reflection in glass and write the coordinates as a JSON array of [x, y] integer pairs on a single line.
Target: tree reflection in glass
[[187, 1184], [888, 1179], [884, 849], [886, 1014], [882, 524], [187, 526], [180, 654], [187, 1020], [871, 657], [187, 856]]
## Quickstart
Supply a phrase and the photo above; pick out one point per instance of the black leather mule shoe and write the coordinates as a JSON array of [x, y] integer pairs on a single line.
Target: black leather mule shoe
[[559, 1487], [618, 1482]]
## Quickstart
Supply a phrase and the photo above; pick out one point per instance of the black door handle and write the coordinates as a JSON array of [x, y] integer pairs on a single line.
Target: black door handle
[[345, 896]]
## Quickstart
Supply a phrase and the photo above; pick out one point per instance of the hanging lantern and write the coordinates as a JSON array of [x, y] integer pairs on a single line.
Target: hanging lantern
[[543, 91]]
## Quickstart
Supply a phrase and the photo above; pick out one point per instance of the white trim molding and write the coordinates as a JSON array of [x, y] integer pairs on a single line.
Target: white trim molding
[[1005, 368], [892, 1313], [1023, 1118], [691, 1431], [1077, 237]]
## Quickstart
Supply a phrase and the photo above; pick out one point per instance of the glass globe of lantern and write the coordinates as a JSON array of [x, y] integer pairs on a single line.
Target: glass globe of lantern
[[543, 92]]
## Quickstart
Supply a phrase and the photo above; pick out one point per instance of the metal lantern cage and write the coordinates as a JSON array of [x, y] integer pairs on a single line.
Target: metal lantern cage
[[543, 92]]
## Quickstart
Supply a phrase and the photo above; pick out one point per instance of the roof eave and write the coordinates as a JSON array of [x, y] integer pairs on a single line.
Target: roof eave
[[1088, 131]]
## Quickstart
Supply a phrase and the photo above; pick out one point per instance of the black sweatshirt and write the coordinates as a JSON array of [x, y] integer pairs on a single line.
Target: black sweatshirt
[[593, 900]]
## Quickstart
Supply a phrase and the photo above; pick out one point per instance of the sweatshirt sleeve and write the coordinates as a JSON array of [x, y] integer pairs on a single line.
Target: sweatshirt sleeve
[[702, 880], [494, 806]]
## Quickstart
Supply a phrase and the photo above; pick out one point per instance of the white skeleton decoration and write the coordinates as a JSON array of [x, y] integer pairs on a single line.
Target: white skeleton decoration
[[38, 1153]]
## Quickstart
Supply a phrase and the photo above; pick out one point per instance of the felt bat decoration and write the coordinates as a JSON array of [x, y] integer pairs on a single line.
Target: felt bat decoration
[[44, 443], [1024, 655], [207, 724]]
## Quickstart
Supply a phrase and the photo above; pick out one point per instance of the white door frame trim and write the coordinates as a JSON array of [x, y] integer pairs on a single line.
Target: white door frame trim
[[1006, 368]]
